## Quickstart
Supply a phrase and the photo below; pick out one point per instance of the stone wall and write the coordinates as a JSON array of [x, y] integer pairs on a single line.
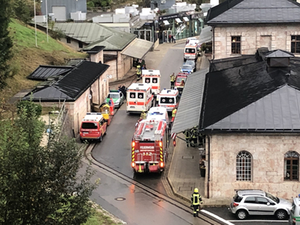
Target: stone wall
[[253, 37], [267, 164]]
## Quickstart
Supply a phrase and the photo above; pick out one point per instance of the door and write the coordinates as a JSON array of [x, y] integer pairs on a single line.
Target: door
[[265, 207], [59, 13]]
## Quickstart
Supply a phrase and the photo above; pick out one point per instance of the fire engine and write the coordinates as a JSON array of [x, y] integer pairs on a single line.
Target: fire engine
[[149, 147], [152, 77], [93, 127], [139, 97]]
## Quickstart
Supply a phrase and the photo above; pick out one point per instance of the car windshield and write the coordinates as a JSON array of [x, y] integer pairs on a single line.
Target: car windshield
[[114, 95], [190, 50], [190, 62], [275, 199], [179, 79], [186, 67]]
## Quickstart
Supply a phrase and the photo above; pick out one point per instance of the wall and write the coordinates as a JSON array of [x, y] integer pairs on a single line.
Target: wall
[[254, 37], [267, 165], [74, 44]]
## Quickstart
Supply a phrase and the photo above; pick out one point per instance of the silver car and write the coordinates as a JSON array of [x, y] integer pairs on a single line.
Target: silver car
[[258, 202]]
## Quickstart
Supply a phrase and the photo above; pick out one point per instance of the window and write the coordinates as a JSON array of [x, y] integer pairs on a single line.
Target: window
[[243, 166], [132, 95], [147, 80], [68, 40], [295, 44], [262, 201], [250, 200], [236, 44], [80, 44], [291, 165], [140, 95], [154, 80]]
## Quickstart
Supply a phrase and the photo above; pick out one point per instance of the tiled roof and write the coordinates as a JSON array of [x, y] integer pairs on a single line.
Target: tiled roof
[[251, 96], [254, 11], [46, 72]]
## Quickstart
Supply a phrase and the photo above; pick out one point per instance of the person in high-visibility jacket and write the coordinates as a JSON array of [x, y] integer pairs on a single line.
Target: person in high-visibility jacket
[[174, 111], [138, 72], [143, 115], [187, 134], [196, 199], [172, 80]]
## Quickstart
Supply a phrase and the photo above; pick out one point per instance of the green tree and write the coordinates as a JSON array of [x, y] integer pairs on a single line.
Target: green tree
[[5, 42], [23, 10], [40, 185]]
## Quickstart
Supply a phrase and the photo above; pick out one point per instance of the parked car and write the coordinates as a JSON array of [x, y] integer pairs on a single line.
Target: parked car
[[258, 202], [117, 97], [295, 212], [187, 68], [191, 63]]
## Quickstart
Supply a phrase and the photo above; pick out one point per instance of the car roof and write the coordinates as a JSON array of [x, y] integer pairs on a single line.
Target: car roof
[[250, 192]]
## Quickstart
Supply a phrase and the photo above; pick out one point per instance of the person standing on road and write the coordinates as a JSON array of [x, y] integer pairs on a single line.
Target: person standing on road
[[138, 72], [172, 80], [196, 199], [143, 115]]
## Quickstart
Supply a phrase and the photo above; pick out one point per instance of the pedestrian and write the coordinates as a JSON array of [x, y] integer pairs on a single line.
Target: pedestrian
[[194, 135], [196, 199], [187, 137], [174, 111], [172, 80], [138, 72], [169, 38], [111, 106], [157, 100], [123, 90], [143, 115], [174, 37]]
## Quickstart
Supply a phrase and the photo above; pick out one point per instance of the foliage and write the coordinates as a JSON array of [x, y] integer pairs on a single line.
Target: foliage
[[5, 42], [99, 3], [57, 34], [23, 10], [40, 185], [30, 108]]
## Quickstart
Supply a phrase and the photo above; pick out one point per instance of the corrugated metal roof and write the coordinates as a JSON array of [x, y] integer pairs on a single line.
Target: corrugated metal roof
[[254, 11], [47, 94], [95, 35], [188, 113], [45, 72], [138, 48]]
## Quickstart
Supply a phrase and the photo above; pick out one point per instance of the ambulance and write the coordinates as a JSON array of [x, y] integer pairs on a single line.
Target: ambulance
[[190, 52], [93, 127], [152, 77], [169, 98], [139, 98]]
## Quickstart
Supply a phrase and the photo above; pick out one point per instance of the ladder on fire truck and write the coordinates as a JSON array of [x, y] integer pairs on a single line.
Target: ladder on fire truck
[[149, 126]]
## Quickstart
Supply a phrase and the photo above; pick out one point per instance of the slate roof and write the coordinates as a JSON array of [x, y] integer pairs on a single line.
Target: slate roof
[[46, 72], [254, 11], [72, 85], [95, 34], [251, 97]]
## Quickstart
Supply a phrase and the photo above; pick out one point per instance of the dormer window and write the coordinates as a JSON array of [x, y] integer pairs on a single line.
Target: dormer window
[[295, 43]]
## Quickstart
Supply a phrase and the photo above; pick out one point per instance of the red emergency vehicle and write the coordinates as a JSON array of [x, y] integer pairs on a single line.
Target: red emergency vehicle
[[148, 146], [93, 127], [178, 82]]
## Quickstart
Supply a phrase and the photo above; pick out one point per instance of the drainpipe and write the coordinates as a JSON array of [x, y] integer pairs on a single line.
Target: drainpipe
[[208, 164], [117, 69], [213, 43]]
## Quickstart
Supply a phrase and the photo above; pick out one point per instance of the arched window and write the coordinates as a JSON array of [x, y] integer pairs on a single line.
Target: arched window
[[291, 165], [244, 166]]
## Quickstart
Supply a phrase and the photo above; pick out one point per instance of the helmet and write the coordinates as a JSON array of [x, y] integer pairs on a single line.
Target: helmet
[[196, 190]]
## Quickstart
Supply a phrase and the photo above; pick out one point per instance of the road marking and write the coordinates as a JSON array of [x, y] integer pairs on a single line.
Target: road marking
[[217, 217]]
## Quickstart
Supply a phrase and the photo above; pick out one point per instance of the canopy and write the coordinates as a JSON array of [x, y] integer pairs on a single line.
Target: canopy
[[205, 35], [137, 48]]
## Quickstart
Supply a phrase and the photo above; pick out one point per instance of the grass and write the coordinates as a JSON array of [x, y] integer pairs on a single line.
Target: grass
[[102, 217], [27, 56]]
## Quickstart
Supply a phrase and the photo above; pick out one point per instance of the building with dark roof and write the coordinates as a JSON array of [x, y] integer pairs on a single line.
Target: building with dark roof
[[240, 27], [83, 86], [250, 116]]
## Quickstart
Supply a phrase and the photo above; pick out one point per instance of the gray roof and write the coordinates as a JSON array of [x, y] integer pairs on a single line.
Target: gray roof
[[276, 111], [280, 54], [95, 35], [138, 48], [205, 35], [46, 72], [188, 113], [254, 11]]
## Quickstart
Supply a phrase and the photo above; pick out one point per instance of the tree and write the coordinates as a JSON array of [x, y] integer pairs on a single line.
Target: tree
[[5, 42], [23, 10], [40, 185]]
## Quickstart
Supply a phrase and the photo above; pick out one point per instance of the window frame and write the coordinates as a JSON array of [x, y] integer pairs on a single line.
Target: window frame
[[295, 40], [236, 45], [291, 156], [244, 166]]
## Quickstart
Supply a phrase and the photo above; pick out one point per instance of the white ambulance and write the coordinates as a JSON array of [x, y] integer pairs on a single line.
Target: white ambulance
[[139, 97], [169, 98], [152, 77]]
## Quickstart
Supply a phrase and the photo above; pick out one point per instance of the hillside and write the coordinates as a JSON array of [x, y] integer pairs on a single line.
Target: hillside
[[27, 57]]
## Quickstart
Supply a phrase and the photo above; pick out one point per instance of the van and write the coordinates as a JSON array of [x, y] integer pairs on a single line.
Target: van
[[190, 52], [295, 212], [158, 113], [139, 98], [152, 77], [169, 99], [93, 127]]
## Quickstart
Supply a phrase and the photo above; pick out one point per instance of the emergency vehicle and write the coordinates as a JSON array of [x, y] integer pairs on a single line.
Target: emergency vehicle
[[190, 52], [158, 113], [152, 77], [93, 127], [149, 146], [169, 98], [139, 97], [178, 81]]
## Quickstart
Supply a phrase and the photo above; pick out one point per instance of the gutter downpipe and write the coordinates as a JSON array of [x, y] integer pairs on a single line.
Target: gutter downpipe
[[208, 164], [213, 41], [117, 69]]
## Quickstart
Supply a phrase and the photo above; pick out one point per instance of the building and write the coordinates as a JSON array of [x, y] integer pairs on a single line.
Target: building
[[240, 27], [78, 87], [63, 10]]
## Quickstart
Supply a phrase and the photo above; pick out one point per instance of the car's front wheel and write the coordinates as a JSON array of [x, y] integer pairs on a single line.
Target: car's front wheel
[[241, 214], [281, 214]]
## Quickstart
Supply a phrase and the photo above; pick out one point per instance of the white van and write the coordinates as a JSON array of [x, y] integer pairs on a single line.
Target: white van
[[169, 99], [152, 77], [139, 98], [295, 212]]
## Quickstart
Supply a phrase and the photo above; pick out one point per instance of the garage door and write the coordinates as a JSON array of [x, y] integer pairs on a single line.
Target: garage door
[[59, 13]]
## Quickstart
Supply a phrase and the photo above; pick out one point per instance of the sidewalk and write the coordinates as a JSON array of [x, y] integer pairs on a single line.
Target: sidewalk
[[184, 173]]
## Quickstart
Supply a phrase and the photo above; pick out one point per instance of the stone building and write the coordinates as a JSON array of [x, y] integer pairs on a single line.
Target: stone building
[[240, 27]]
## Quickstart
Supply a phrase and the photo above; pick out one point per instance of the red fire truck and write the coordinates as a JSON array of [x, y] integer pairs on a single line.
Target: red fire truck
[[149, 147]]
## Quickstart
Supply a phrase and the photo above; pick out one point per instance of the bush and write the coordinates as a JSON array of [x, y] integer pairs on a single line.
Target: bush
[[30, 107]]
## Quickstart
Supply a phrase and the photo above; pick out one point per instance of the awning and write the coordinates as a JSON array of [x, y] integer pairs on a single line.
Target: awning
[[205, 35], [138, 48], [178, 20], [166, 22], [185, 19], [188, 113]]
